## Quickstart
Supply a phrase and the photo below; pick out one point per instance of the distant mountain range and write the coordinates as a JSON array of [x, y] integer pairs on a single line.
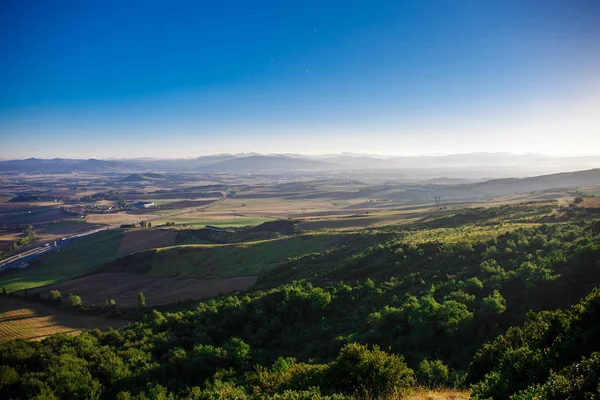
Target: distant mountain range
[[474, 165]]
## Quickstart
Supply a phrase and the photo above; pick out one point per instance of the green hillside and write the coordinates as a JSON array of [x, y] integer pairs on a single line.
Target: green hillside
[[72, 260], [491, 304], [229, 260]]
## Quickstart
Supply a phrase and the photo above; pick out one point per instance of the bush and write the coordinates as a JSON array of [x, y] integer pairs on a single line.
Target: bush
[[141, 300], [360, 371], [578, 381], [433, 373], [54, 295], [74, 301], [286, 374]]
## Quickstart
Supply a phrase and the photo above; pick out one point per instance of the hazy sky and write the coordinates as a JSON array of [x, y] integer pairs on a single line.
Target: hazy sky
[[173, 78]]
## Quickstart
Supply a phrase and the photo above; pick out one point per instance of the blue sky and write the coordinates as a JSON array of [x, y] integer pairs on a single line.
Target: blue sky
[[176, 79]]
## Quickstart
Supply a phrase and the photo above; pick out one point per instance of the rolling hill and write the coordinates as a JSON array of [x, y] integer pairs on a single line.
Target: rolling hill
[[258, 163]]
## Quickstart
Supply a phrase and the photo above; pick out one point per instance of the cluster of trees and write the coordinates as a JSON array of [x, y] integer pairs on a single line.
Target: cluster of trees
[[431, 306], [145, 224], [553, 356], [27, 236]]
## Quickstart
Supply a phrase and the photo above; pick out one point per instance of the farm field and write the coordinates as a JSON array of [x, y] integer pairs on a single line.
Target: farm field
[[228, 260], [33, 321], [72, 260], [593, 202], [83, 255], [124, 289], [170, 274], [8, 237], [113, 219], [201, 220], [143, 239]]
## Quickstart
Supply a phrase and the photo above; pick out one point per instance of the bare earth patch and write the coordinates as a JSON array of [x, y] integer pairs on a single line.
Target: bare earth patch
[[144, 239], [33, 321], [124, 288], [593, 202]]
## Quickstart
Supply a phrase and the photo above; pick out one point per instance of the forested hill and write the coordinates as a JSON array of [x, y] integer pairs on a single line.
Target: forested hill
[[491, 303]]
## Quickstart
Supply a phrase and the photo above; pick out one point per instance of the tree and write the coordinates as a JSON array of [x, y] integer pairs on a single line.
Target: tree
[[74, 301], [54, 295], [578, 200], [142, 299], [113, 303], [149, 224], [4, 291], [494, 304]]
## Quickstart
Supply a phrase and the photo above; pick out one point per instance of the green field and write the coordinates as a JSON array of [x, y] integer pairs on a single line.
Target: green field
[[222, 223], [228, 260], [340, 203], [72, 260], [594, 192]]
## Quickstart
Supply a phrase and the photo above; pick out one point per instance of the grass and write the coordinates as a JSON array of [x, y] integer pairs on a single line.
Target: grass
[[72, 260], [437, 394], [229, 260], [66, 225], [222, 223], [594, 192], [340, 203]]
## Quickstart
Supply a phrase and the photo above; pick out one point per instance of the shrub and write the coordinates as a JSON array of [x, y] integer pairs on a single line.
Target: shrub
[[74, 301], [54, 295], [578, 381], [433, 373], [141, 299], [358, 370]]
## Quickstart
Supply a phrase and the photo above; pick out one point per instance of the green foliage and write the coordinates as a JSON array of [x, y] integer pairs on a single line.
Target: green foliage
[[75, 301], [54, 295], [375, 373], [433, 373], [420, 293], [577, 381], [494, 304], [141, 300], [549, 341]]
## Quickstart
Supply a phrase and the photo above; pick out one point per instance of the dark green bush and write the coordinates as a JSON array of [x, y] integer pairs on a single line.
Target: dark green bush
[[375, 373]]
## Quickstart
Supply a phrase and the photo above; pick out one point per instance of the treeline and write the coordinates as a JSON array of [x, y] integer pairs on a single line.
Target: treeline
[[431, 307]]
